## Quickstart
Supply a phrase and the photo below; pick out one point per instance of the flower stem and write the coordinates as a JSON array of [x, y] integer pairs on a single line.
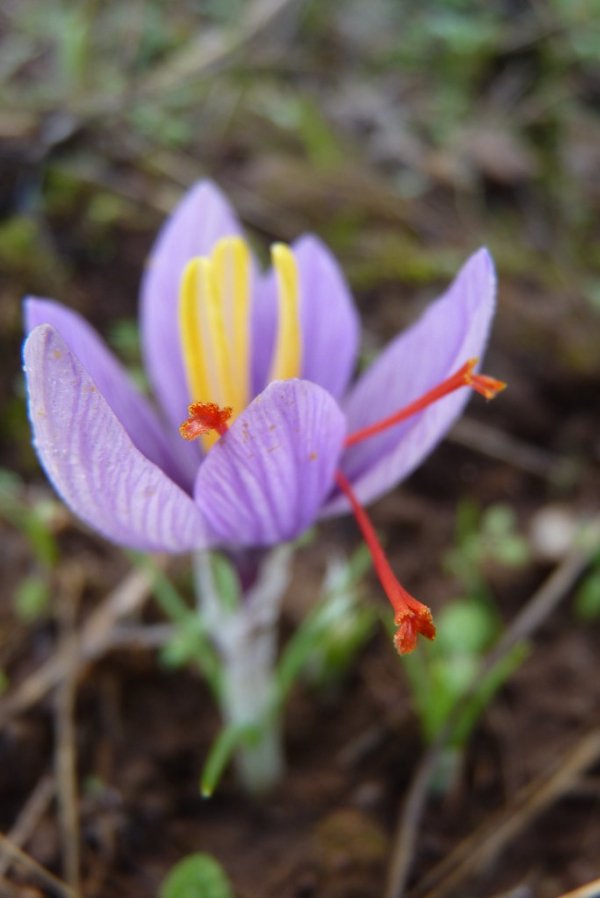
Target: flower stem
[[246, 640]]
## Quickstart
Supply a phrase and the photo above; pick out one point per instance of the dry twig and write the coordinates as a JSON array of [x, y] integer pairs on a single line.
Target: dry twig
[[31, 813], [65, 756], [485, 843], [498, 444], [53, 882], [95, 639], [589, 890]]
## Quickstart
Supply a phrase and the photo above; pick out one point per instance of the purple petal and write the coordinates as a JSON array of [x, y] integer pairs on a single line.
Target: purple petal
[[264, 481], [329, 321], [330, 325], [264, 316], [200, 220], [453, 329], [91, 460], [132, 409]]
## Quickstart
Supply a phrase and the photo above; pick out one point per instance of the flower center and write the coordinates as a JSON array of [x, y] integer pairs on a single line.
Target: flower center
[[214, 325]]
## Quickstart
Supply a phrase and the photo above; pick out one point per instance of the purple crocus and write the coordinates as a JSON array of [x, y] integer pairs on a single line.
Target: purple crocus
[[259, 366]]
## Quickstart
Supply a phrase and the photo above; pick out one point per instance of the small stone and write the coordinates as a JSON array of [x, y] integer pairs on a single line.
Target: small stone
[[552, 532]]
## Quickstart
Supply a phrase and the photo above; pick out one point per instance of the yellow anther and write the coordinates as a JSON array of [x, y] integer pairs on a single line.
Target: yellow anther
[[287, 358], [231, 263], [190, 330], [214, 323], [204, 340]]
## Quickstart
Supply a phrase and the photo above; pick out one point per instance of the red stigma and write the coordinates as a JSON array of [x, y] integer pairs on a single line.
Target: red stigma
[[412, 617], [204, 417], [488, 387], [464, 377]]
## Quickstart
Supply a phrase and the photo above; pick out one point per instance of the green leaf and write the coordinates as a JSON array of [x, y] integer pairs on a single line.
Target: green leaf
[[467, 520], [227, 581], [31, 520], [196, 876], [431, 696], [190, 645], [486, 690], [190, 642], [587, 598], [221, 752], [331, 634], [171, 602], [501, 541], [499, 520], [466, 626], [32, 598]]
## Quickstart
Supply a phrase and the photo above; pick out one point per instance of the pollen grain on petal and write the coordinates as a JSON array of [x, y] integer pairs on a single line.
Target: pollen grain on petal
[[205, 417]]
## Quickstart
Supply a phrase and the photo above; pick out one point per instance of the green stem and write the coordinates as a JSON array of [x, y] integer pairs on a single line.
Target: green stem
[[246, 640]]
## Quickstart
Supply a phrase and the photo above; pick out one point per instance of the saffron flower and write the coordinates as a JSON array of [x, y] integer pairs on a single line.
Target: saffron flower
[[258, 367]]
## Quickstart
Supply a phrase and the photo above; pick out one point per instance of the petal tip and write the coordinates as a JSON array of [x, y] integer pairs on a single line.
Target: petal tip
[[33, 311], [484, 259], [207, 191], [38, 334], [309, 241]]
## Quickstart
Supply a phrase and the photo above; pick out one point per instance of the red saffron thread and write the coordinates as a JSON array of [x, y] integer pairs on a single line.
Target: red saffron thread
[[411, 616], [204, 417], [464, 377]]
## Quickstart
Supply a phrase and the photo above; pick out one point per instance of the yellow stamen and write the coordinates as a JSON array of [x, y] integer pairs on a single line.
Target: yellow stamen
[[190, 330], [231, 262], [287, 357], [206, 349], [214, 322]]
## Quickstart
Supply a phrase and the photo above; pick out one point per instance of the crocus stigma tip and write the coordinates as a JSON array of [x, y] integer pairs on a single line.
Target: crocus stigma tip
[[464, 377], [486, 386], [205, 417], [411, 616], [410, 622]]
